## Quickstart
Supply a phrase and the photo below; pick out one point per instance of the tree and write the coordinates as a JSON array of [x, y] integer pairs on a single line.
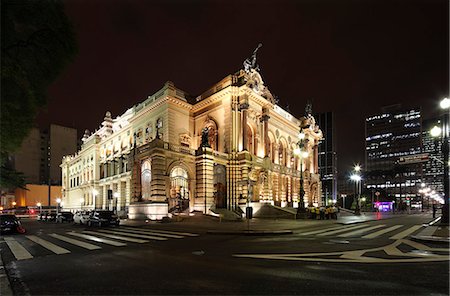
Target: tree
[[37, 42]]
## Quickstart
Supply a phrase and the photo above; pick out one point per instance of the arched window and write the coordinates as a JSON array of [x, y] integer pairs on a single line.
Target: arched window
[[250, 139], [146, 177], [213, 133]]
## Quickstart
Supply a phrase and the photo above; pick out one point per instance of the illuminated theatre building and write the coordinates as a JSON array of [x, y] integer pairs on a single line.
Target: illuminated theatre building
[[229, 147]]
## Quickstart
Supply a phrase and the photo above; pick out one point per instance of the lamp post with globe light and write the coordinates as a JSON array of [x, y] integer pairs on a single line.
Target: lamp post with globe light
[[436, 131], [301, 153], [356, 177], [58, 202]]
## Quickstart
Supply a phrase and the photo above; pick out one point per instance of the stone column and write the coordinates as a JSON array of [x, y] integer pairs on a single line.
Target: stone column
[[119, 197], [244, 108], [127, 193], [265, 120], [158, 182], [204, 167], [104, 196]]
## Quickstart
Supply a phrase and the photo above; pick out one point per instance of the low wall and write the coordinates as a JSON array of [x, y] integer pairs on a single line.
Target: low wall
[[148, 210]]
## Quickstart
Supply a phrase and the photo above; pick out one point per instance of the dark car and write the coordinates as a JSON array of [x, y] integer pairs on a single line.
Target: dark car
[[64, 217], [10, 223], [103, 218]]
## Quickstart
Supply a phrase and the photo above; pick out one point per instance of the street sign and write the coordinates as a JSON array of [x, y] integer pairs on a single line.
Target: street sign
[[417, 158]]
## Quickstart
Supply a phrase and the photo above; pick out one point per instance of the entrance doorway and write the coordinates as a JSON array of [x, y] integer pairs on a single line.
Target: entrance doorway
[[179, 190], [220, 186]]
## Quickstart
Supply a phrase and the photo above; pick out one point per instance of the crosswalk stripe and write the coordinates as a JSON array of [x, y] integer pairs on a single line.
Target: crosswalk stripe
[[151, 232], [342, 229], [320, 231], [129, 239], [406, 232], [75, 242], [383, 231], [359, 231], [165, 231], [17, 249], [133, 234], [98, 239], [48, 245]]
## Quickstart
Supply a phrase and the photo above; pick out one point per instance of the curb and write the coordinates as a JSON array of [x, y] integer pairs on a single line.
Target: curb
[[435, 239], [5, 285], [251, 232]]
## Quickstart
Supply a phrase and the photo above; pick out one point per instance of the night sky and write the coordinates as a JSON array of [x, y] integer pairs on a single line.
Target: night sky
[[349, 57]]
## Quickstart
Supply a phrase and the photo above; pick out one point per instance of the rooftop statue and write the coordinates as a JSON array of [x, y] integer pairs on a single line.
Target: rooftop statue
[[253, 78], [250, 63]]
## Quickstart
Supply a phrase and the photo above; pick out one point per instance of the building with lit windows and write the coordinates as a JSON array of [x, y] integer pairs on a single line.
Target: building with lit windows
[[41, 152], [393, 136], [228, 147], [327, 156], [433, 169]]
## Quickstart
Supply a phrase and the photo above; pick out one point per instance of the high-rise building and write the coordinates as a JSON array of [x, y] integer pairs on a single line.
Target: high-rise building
[[393, 140], [42, 151], [433, 169], [327, 156]]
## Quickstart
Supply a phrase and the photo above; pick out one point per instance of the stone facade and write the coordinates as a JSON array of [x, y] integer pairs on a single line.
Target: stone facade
[[155, 154]]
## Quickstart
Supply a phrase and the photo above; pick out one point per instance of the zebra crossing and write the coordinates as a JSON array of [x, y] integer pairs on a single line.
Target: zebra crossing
[[365, 231], [89, 239]]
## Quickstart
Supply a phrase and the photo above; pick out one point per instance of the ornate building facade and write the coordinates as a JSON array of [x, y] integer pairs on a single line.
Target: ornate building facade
[[230, 146]]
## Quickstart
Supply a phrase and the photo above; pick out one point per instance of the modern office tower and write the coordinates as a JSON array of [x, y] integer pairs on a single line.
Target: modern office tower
[[433, 169], [327, 156], [42, 151], [393, 153]]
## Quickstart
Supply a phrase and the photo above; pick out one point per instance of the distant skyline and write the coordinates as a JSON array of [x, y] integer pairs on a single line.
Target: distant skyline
[[349, 57]]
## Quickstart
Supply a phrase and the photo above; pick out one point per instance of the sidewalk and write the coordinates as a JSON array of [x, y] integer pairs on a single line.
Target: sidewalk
[[256, 226], [434, 232]]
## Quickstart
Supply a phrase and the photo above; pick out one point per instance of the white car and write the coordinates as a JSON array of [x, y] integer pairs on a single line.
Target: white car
[[81, 217]]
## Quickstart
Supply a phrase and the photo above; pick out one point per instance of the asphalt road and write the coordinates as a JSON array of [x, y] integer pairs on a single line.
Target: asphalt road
[[317, 259]]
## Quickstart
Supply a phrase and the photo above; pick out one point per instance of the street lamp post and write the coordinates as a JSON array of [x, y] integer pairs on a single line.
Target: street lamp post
[[301, 211], [40, 207], [58, 201], [356, 177]]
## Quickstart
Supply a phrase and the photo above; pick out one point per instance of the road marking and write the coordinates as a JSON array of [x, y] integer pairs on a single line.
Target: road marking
[[98, 239], [129, 239], [342, 230], [321, 230], [17, 249], [359, 231], [357, 256], [151, 232], [165, 231], [383, 231], [406, 232], [48, 245], [134, 234], [75, 242]]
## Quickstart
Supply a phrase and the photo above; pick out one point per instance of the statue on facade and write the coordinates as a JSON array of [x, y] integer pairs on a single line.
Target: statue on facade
[[205, 138]]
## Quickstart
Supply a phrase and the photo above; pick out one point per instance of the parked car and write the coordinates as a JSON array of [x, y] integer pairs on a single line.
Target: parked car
[[47, 216], [64, 217], [103, 218], [10, 223], [81, 217]]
